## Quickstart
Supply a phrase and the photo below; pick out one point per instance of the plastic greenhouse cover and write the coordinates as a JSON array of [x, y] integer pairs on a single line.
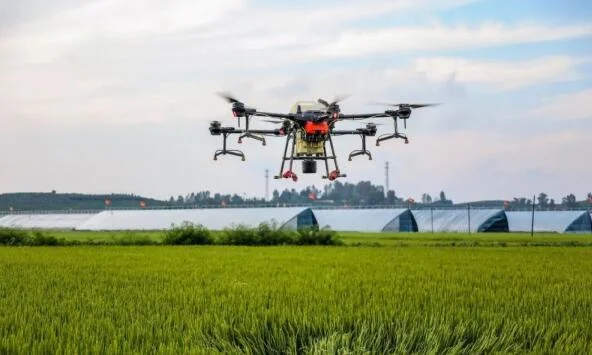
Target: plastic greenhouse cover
[[544, 221], [360, 220], [215, 218], [45, 221], [452, 220]]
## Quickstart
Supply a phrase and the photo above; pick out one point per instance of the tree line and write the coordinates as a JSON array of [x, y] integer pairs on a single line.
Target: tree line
[[363, 193]]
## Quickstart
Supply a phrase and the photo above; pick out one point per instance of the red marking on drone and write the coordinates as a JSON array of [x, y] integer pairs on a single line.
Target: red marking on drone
[[311, 127]]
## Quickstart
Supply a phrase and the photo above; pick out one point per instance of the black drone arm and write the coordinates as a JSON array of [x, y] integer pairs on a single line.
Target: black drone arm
[[363, 116], [359, 131], [287, 116], [216, 131]]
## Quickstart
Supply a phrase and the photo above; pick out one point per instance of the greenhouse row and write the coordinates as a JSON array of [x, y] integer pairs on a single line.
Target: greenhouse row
[[356, 220]]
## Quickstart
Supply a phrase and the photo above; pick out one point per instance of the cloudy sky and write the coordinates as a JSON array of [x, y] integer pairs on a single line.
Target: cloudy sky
[[103, 96]]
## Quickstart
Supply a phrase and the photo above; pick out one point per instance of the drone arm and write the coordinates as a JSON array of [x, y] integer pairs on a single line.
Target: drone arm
[[368, 131], [268, 132], [288, 116], [216, 131], [350, 132], [363, 116]]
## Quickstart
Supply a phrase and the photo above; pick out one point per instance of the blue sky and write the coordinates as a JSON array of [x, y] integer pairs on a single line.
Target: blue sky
[[106, 96]]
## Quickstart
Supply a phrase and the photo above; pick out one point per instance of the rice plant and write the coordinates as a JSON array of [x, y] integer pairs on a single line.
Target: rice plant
[[288, 299]]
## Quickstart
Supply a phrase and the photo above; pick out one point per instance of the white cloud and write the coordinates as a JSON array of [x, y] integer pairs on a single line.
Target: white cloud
[[500, 74], [48, 38], [576, 105], [363, 42]]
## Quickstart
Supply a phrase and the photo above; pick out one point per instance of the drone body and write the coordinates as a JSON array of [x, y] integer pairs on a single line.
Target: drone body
[[308, 129]]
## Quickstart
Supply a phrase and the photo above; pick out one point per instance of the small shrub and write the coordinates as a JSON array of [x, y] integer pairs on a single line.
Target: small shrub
[[271, 234], [40, 238], [134, 239], [13, 237], [317, 236], [187, 234], [239, 235]]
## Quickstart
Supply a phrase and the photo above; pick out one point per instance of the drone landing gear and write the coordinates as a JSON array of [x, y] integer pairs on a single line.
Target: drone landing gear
[[308, 166], [237, 153], [385, 137], [333, 175], [288, 173], [225, 151], [362, 151], [251, 135]]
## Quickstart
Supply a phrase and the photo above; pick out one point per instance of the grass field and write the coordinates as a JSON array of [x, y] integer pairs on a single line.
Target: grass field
[[415, 294]]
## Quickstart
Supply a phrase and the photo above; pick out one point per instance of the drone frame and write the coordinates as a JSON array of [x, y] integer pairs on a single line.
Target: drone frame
[[290, 129]]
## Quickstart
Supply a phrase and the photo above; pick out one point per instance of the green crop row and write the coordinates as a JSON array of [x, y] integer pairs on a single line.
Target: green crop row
[[276, 300]]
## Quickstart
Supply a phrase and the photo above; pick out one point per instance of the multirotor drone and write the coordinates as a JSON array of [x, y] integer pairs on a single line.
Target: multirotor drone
[[308, 127]]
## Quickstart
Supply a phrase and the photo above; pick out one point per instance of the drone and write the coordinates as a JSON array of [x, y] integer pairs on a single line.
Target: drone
[[309, 128]]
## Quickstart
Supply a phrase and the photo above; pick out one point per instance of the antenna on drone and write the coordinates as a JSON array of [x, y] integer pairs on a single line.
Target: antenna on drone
[[386, 177], [266, 185]]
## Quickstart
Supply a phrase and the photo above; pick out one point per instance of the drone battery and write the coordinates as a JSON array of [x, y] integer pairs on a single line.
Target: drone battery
[[309, 167]]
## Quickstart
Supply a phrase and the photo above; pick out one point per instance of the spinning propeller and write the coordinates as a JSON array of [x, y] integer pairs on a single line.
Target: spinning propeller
[[404, 110], [238, 108], [333, 107]]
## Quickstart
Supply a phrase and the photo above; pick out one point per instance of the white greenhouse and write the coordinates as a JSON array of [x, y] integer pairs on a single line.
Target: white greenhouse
[[459, 220], [550, 221], [214, 218], [44, 221], [367, 220]]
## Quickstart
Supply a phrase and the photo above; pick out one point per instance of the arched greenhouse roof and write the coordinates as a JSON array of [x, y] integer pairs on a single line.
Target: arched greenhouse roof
[[215, 218], [367, 220], [550, 221], [458, 220]]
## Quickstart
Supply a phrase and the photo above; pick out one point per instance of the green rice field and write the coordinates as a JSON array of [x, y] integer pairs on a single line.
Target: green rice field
[[380, 293]]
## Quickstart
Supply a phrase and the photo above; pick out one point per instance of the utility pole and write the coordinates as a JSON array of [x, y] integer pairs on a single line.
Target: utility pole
[[532, 218], [469, 216], [266, 185], [386, 178]]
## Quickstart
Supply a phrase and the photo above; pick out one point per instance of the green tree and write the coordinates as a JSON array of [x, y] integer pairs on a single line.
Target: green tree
[[543, 200], [391, 197], [569, 201]]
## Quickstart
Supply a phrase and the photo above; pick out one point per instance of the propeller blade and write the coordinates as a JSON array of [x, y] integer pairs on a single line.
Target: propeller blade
[[228, 97], [273, 121], [323, 102], [405, 105], [423, 105], [338, 98]]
